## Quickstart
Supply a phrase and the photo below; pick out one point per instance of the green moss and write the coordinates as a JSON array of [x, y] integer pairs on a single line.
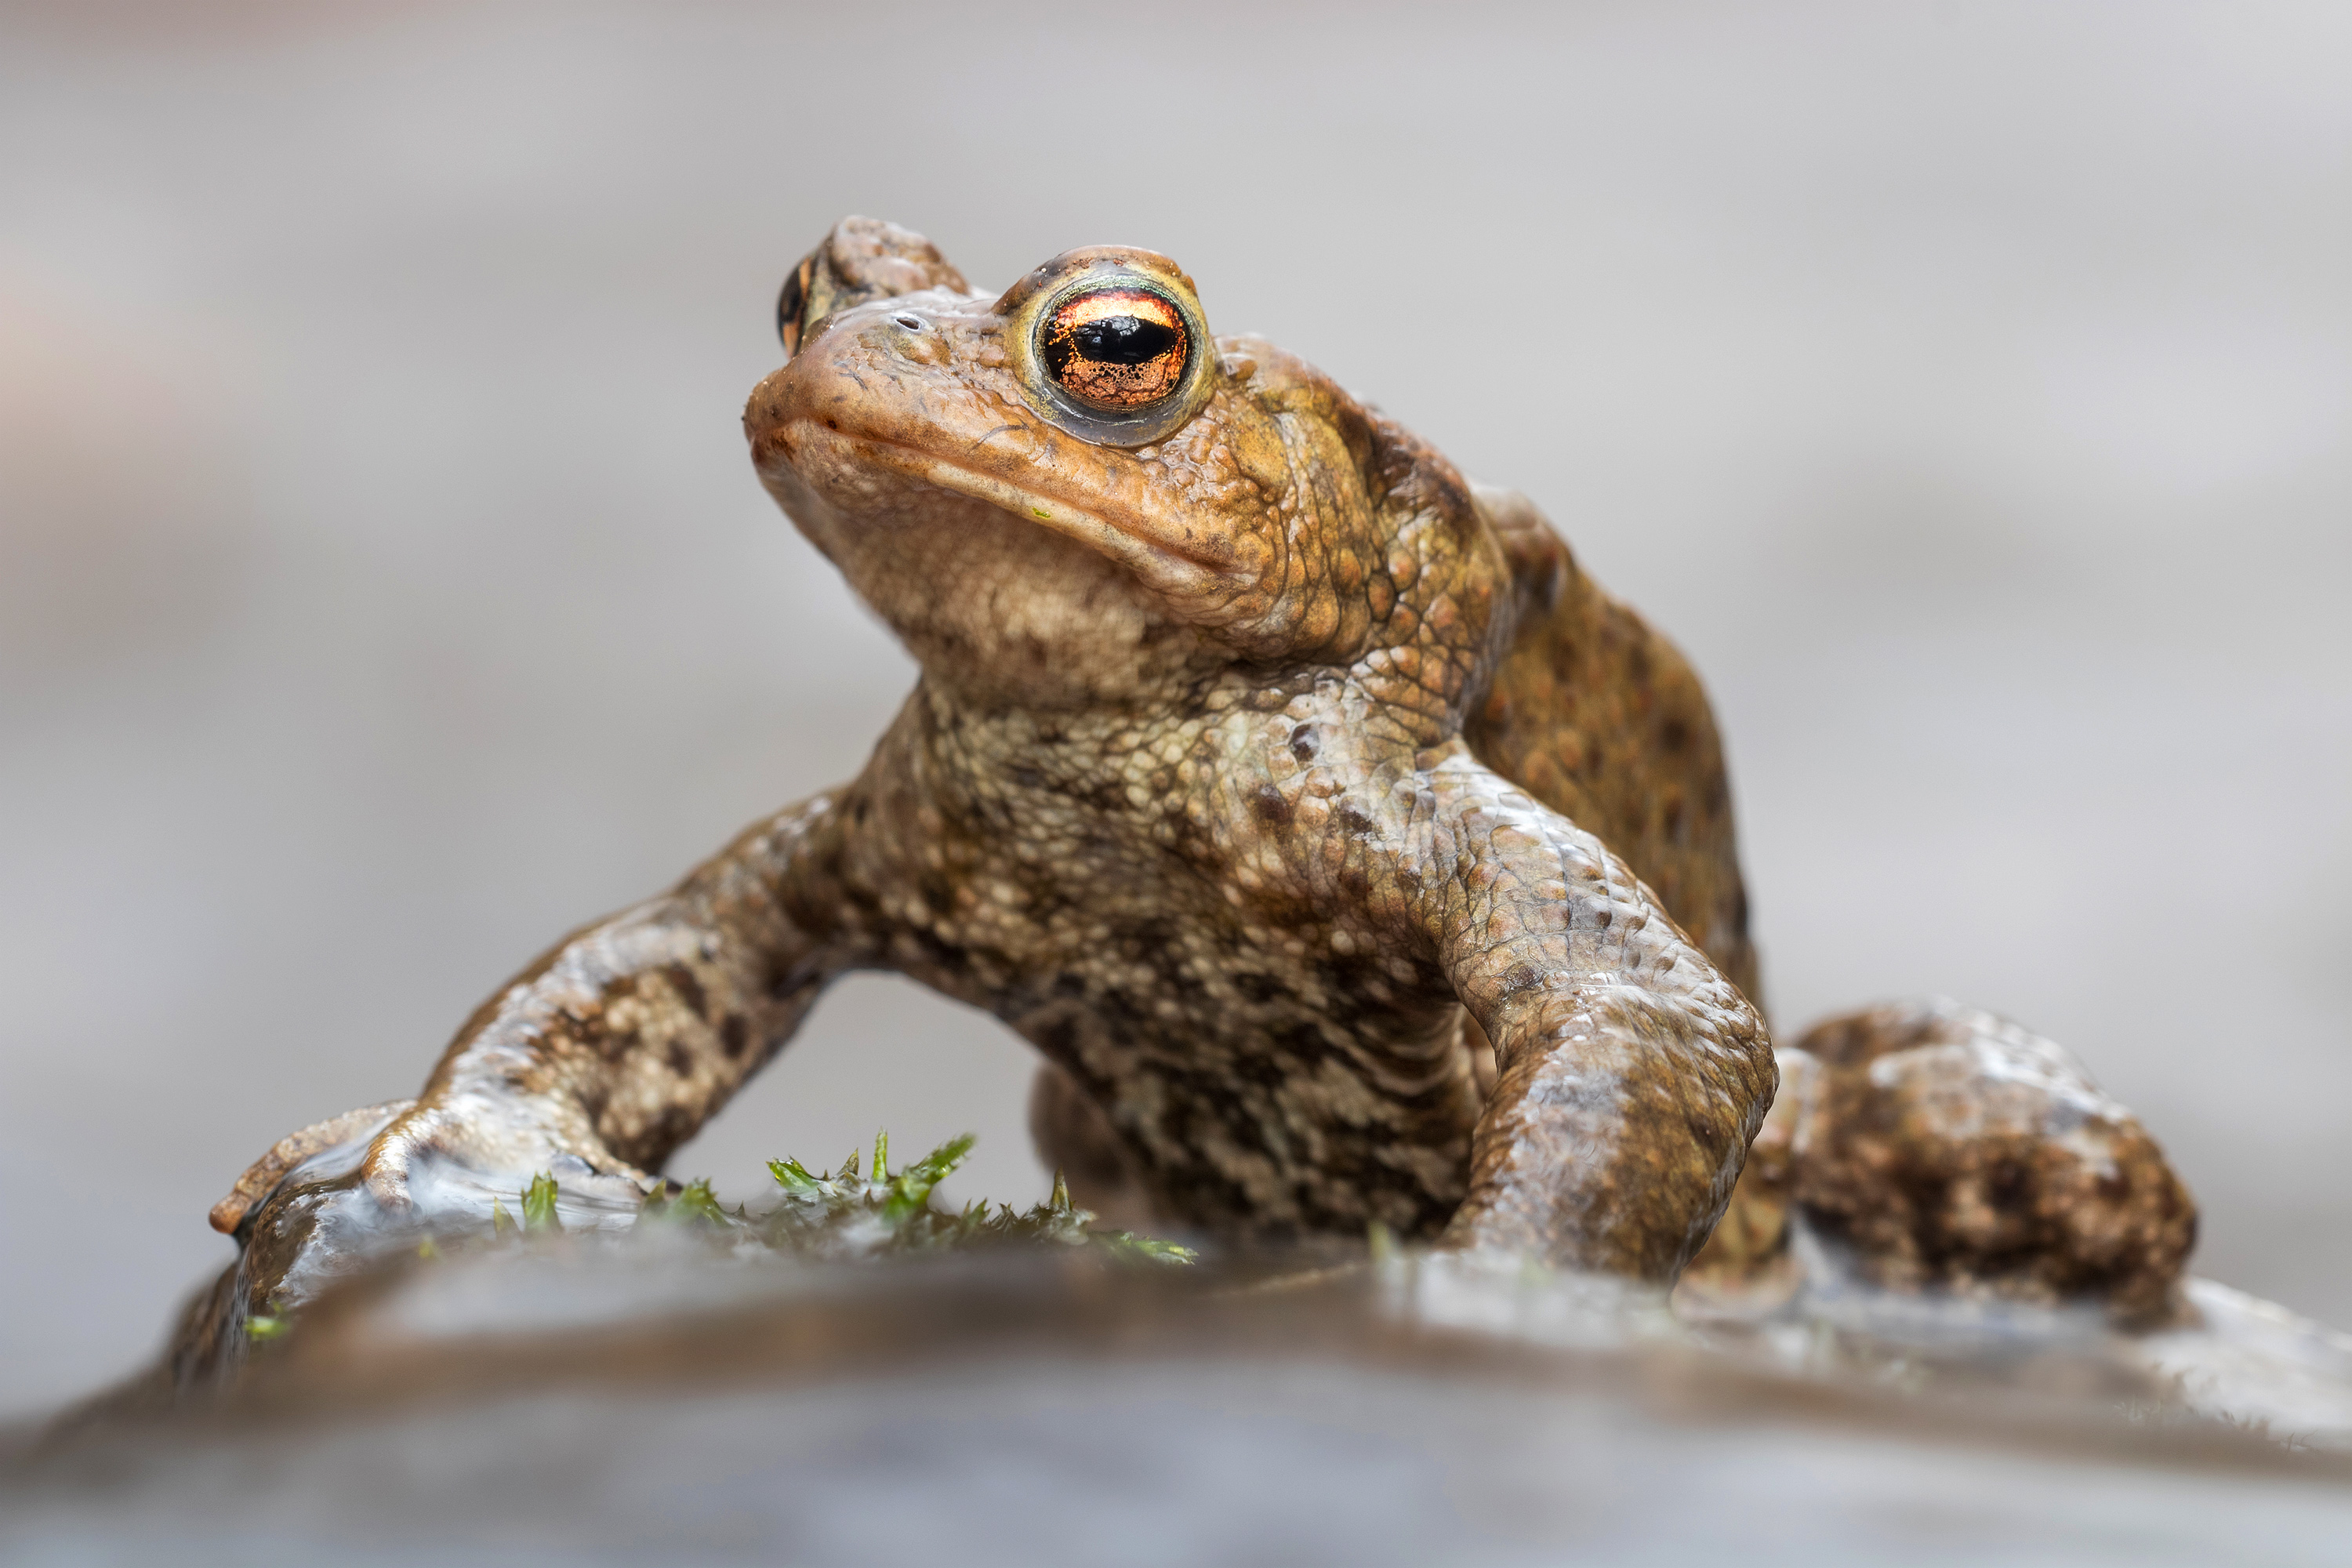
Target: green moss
[[539, 1203], [879, 1211], [694, 1202], [1143, 1249], [910, 1191], [856, 1213]]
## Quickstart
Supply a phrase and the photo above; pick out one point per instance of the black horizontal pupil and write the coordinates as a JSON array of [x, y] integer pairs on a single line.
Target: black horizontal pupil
[[1123, 340]]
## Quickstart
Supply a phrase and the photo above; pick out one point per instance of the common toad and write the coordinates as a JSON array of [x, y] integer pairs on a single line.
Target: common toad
[[1347, 853]]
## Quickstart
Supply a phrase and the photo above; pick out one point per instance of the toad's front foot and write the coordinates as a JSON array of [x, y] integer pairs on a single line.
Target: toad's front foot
[[320, 1140], [454, 1157], [338, 1193], [426, 1160]]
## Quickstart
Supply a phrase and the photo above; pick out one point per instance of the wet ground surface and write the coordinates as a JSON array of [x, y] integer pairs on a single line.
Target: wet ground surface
[[574, 1401]]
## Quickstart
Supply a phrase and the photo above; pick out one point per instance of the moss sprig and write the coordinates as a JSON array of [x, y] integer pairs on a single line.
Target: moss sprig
[[874, 1210]]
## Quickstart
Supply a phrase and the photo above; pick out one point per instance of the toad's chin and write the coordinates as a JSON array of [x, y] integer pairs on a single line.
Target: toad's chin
[[998, 606]]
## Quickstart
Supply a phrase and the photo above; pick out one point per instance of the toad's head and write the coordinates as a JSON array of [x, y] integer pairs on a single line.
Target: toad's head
[[1071, 494]]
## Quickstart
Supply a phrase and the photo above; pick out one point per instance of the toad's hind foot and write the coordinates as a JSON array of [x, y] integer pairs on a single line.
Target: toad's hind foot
[[1934, 1145], [1077, 1142]]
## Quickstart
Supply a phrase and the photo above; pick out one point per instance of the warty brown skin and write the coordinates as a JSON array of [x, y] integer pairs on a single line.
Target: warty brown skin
[[1931, 1146], [1259, 772], [1940, 1145]]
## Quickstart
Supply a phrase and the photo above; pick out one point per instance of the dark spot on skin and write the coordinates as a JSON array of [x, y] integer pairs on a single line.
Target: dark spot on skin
[[734, 1037], [1259, 988], [1302, 1042], [681, 1060], [1270, 807], [651, 1146], [937, 896], [1176, 1121], [613, 1047], [1192, 840], [1042, 900], [1674, 735], [620, 987], [1452, 496], [1267, 1072], [1229, 940], [689, 990], [785, 978], [944, 956], [1303, 742], [1352, 978], [1059, 1038], [1100, 1088], [1432, 1100], [1349, 815], [1141, 938], [1119, 1007], [1253, 1129]]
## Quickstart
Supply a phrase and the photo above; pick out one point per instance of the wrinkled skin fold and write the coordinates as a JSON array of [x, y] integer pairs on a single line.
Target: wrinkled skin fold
[[1346, 853]]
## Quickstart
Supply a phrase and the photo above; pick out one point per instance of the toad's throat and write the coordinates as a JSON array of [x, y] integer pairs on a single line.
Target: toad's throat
[[1172, 559]]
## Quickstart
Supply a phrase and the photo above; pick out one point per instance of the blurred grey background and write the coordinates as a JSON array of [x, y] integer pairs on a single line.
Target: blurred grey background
[[384, 589]]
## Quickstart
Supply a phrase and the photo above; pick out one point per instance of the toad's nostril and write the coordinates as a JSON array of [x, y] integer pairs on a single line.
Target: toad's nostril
[[910, 321]]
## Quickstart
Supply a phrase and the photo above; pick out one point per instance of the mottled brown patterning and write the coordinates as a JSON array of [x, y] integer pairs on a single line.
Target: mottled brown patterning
[[1261, 771]]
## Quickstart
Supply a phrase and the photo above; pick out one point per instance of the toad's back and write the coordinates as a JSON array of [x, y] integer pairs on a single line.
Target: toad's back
[[1600, 718]]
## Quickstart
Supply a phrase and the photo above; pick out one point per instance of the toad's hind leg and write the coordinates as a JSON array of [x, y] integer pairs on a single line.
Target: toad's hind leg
[[1596, 715], [1929, 1145], [1077, 1142]]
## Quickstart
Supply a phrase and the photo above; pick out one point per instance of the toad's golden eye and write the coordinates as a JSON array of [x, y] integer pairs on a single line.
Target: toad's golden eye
[[1116, 348]]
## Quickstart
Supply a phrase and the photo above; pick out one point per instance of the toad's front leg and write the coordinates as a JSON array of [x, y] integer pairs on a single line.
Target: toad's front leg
[[594, 1063], [1631, 1075], [623, 1039]]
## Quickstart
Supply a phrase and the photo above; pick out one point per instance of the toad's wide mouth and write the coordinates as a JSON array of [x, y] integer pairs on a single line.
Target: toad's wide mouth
[[1164, 552]]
